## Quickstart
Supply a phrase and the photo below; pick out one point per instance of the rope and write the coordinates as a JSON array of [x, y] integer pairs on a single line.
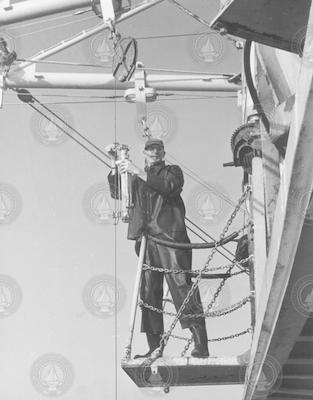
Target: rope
[[178, 71], [190, 13], [54, 27], [186, 246], [198, 179], [59, 63], [26, 96], [43, 21]]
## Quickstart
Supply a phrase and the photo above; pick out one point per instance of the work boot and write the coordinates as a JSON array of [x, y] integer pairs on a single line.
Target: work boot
[[153, 340], [201, 341]]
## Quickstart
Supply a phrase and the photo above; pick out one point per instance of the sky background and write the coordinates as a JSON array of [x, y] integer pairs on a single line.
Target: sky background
[[61, 252]]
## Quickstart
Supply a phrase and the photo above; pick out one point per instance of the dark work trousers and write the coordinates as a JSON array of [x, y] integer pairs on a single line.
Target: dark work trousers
[[151, 291]]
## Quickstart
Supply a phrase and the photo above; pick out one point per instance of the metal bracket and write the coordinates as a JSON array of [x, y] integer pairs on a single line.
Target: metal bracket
[[141, 98]]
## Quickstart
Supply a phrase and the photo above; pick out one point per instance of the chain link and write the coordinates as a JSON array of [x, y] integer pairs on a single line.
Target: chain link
[[221, 285], [219, 339], [212, 314], [197, 271], [234, 335], [246, 226], [195, 285]]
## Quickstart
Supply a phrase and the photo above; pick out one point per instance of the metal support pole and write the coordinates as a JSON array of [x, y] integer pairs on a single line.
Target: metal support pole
[[30, 9], [64, 44], [135, 297], [249, 202], [173, 82], [258, 212]]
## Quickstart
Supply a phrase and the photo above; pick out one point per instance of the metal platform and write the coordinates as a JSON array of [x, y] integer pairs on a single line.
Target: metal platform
[[186, 371], [277, 23]]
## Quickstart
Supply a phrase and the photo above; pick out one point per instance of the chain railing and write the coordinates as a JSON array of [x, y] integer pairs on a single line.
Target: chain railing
[[147, 267], [179, 314], [212, 314]]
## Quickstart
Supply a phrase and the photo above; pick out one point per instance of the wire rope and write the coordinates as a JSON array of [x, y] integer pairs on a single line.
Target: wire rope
[[73, 129], [53, 27], [25, 25], [190, 13], [211, 237], [198, 179], [112, 101]]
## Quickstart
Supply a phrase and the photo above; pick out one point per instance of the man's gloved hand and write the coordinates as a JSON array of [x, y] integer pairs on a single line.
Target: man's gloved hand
[[128, 166], [110, 150]]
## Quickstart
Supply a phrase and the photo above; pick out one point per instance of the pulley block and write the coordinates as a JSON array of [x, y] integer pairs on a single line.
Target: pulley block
[[130, 95]]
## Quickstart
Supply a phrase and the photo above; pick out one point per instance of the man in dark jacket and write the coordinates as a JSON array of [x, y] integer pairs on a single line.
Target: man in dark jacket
[[158, 210]]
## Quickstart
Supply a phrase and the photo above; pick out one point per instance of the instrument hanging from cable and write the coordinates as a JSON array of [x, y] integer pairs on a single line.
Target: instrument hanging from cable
[[124, 187]]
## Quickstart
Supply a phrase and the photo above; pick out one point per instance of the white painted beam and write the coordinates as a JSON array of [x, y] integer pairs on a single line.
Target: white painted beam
[[29, 79], [32, 9]]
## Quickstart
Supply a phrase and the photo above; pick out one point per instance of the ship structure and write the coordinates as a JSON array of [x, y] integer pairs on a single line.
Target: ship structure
[[273, 147]]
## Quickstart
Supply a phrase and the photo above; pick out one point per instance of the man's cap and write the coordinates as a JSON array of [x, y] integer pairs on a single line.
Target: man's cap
[[154, 141]]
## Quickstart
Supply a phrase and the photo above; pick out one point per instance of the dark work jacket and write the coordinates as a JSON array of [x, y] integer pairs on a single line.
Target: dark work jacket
[[158, 208]]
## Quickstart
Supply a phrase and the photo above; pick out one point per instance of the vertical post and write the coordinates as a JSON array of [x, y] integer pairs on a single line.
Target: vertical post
[[135, 297], [258, 213], [125, 193], [251, 261]]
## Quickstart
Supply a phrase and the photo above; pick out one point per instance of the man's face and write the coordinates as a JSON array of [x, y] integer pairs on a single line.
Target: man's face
[[154, 153]]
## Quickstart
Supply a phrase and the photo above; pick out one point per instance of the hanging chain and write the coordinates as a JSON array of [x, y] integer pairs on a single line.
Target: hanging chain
[[147, 267], [166, 336], [221, 285], [212, 314], [233, 336], [219, 339]]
